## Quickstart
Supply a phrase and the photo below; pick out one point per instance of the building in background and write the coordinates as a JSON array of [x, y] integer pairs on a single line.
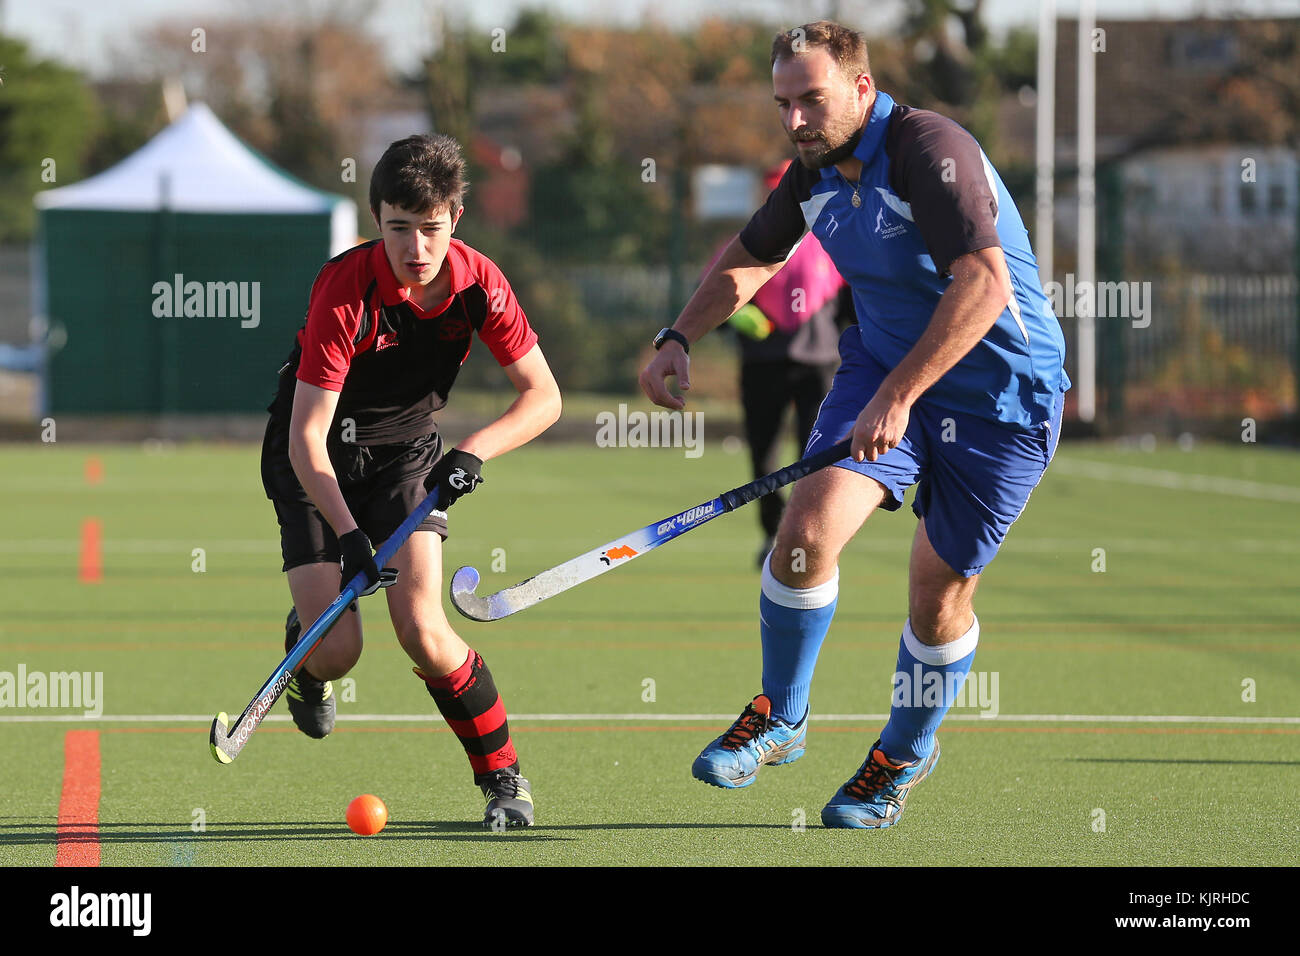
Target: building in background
[[1198, 199], [1200, 119]]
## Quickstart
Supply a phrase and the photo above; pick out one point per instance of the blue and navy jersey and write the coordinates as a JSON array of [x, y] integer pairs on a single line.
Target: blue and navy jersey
[[926, 196]]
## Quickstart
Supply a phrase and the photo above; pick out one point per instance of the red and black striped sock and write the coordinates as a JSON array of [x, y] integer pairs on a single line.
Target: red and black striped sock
[[470, 704]]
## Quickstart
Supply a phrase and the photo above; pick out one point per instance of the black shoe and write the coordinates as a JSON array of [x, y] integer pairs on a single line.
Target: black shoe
[[311, 701], [509, 799]]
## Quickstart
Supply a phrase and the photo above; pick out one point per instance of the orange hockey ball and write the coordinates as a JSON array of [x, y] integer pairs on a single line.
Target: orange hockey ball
[[367, 815]]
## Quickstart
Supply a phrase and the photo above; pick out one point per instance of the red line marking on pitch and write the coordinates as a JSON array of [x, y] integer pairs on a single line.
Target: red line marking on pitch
[[294, 730], [701, 728], [78, 833], [92, 565]]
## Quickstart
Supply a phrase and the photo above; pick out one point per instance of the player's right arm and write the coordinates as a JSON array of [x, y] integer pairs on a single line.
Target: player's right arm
[[732, 282], [334, 314], [313, 410], [753, 257]]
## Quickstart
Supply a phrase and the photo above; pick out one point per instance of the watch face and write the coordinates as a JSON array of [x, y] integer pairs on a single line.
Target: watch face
[[668, 335]]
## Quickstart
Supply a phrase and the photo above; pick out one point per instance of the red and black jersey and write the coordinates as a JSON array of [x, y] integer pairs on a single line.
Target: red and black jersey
[[392, 362]]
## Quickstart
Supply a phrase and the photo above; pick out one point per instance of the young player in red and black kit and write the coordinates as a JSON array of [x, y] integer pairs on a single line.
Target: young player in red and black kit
[[351, 446]]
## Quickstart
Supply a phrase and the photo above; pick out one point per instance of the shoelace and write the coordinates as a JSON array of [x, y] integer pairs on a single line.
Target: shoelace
[[307, 688], [503, 785], [747, 726], [873, 778]]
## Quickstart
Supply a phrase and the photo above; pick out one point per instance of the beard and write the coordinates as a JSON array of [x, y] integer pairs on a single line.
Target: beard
[[824, 154]]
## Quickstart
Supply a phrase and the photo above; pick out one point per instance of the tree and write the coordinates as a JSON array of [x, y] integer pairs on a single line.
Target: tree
[[1015, 63], [298, 90], [946, 43], [448, 88], [47, 119]]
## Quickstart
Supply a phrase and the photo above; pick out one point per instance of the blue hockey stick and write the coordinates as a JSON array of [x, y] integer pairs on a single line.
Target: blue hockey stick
[[621, 550], [227, 741]]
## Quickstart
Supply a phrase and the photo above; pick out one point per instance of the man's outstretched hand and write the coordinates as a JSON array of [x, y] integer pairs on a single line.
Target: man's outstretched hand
[[671, 361]]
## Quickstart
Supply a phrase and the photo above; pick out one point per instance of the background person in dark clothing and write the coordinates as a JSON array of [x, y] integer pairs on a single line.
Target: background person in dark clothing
[[788, 334]]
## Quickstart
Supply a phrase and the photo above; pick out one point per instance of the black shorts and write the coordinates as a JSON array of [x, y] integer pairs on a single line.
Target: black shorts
[[381, 484]]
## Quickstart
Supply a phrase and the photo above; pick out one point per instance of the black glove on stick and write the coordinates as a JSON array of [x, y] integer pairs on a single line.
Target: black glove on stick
[[456, 473], [358, 556]]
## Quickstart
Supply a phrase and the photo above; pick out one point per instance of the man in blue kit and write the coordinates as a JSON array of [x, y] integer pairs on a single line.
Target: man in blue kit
[[953, 378]]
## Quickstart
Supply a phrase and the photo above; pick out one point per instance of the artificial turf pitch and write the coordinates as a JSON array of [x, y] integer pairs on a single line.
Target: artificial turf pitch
[[1198, 607]]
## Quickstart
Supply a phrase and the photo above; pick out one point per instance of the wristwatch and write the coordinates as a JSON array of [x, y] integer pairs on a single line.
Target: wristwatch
[[673, 335]]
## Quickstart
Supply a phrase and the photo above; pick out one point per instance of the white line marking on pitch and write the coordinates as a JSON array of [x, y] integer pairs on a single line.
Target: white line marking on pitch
[[1177, 481], [433, 719]]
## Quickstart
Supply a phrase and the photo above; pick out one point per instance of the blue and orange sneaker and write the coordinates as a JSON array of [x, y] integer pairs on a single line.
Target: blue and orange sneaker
[[875, 796], [755, 739]]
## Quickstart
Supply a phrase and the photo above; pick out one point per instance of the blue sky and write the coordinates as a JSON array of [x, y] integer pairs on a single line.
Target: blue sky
[[81, 32]]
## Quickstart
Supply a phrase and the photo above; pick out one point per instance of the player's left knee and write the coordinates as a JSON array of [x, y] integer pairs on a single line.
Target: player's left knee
[[334, 661], [417, 633], [936, 622]]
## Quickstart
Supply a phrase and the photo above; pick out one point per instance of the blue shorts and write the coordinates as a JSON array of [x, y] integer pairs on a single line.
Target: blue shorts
[[975, 475]]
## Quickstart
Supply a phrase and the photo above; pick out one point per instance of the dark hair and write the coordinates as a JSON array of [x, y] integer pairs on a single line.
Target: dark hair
[[420, 173], [847, 47]]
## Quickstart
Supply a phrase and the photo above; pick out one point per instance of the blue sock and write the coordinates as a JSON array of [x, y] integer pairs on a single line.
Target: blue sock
[[926, 682], [794, 622]]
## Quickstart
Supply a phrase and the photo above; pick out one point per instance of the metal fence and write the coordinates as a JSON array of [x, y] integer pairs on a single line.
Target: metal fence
[[1207, 343], [15, 294], [1189, 346], [1207, 347], [636, 295]]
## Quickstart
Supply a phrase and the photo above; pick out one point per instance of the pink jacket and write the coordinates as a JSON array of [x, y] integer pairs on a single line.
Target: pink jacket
[[810, 269]]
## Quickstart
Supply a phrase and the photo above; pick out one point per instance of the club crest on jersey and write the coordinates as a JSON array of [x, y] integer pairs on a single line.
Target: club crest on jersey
[[886, 229], [456, 327]]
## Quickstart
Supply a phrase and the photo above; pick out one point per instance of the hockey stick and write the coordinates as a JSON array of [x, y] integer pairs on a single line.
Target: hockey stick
[[617, 552], [226, 739]]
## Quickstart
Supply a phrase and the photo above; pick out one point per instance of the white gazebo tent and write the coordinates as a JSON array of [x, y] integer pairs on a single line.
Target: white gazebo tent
[[194, 210]]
